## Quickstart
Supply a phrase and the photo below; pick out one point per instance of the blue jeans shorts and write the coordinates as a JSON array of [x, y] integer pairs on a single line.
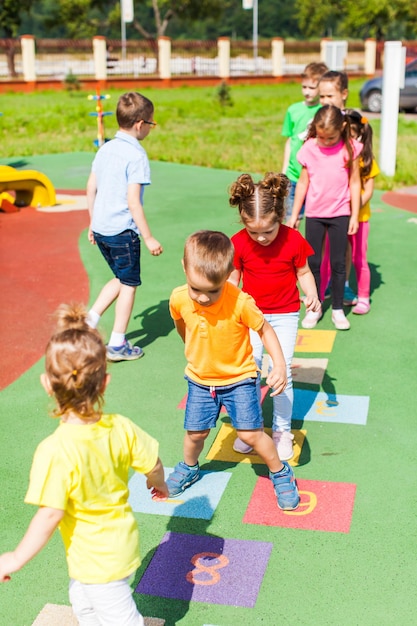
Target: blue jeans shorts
[[240, 400], [122, 254], [290, 201]]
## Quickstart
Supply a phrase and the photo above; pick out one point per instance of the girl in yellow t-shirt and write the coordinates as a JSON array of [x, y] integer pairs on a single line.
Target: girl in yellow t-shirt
[[79, 479], [362, 131]]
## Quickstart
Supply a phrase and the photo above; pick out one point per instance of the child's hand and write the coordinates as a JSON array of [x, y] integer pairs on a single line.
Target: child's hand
[[312, 303], [7, 566], [277, 379], [91, 236], [159, 496], [353, 226], [292, 222], [154, 246]]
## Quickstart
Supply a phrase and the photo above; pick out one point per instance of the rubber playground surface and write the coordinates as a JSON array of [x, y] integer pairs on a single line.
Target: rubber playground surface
[[224, 554]]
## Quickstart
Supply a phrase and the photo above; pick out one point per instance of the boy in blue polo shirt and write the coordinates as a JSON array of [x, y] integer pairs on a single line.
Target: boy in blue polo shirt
[[115, 190]]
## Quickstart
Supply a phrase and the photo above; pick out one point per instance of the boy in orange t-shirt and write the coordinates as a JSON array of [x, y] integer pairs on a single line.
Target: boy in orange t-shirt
[[213, 318]]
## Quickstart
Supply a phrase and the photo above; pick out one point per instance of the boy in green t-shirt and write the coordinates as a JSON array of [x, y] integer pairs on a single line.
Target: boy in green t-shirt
[[296, 122]]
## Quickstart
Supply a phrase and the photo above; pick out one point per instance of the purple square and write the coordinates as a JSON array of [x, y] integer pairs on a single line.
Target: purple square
[[206, 569]]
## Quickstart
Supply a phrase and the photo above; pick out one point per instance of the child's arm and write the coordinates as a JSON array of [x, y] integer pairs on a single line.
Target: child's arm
[[156, 482], [355, 188], [277, 377], [40, 530], [367, 191], [234, 277], [308, 285], [180, 328], [138, 214], [91, 197], [300, 194], [286, 159]]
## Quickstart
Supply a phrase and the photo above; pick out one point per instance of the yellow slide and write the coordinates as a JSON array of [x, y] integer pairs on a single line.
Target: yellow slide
[[32, 188]]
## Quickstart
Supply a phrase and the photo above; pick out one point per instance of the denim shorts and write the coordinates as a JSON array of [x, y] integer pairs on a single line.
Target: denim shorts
[[290, 201], [240, 401], [122, 253]]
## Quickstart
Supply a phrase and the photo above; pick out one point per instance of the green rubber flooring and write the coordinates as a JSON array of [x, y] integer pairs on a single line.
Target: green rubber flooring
[[349, 559]]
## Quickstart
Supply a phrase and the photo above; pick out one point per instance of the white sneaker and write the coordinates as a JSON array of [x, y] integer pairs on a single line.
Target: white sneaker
[[283, 443], [311, 319], [241, 447], [340, 320]]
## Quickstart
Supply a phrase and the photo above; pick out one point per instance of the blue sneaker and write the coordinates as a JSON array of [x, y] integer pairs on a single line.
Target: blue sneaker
[[126, 352], [181, 478], [285, 488], [349, 297]]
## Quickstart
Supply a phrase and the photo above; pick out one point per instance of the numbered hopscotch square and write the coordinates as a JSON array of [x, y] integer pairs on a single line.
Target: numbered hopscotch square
[[315, 340], [303, 370], [323, 506], [222, 447], [206, 569], [319, 407], [198, 501]]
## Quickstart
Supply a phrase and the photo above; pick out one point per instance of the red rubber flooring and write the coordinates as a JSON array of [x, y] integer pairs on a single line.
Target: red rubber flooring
[[34, 245]]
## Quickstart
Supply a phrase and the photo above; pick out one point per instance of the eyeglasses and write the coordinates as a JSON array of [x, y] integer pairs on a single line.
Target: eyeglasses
[[150, 123]]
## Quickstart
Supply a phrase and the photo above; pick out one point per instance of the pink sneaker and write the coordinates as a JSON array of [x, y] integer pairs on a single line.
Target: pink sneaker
[[284, 444], [241, 447], [362, 307]]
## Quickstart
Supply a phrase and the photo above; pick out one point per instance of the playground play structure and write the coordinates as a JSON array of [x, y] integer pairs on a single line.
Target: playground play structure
[[24, 188], [99, 114]]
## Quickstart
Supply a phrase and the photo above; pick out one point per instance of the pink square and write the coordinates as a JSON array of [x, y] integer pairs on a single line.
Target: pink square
[[323, 506]]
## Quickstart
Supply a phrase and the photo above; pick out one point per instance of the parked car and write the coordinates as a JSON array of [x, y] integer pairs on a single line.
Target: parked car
[[371, 92]]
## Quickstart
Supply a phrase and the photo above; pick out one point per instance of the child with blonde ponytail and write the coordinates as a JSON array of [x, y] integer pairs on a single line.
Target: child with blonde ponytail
[[79, 480]]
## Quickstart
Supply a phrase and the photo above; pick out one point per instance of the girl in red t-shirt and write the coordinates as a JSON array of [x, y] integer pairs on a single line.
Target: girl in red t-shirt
[[269, 259]]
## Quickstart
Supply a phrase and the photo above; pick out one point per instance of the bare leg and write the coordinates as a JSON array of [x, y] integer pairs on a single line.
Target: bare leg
[[264, 446], [107, 296], [193, 445], [124, 307]]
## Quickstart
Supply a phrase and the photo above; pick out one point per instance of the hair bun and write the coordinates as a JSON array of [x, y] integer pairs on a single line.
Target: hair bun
[[71, 316], [277, 183], [242, 188]]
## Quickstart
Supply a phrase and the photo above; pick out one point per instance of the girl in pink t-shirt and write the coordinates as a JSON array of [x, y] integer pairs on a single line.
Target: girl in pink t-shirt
[[270, 259], [331, 187]]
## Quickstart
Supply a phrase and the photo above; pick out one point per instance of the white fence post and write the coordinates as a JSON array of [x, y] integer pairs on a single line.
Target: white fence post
[[100, 57], [370, 57], [28, 58], [392, 81], [223, 47], [164, 57], [277, 56]]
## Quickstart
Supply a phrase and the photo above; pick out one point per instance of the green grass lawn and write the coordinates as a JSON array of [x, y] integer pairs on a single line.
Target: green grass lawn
[[193, 127]]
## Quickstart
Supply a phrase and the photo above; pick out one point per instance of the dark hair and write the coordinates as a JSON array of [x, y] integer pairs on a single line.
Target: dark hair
[[330, 116], [340, 78], [76, 363], [210, 253], [133, 107], [262, 199], [365, 135], [314, 70]]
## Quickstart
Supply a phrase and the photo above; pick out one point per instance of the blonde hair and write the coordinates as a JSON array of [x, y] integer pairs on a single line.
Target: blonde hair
[[259, 200], [76, 363], [209, 253]]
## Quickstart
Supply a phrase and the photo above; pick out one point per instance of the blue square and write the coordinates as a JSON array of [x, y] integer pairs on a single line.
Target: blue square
[[323, 407], [198, 501]]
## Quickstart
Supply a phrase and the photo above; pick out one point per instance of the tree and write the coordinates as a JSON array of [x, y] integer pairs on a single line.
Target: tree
[[360, 19], [185, 10], [10, 19]]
